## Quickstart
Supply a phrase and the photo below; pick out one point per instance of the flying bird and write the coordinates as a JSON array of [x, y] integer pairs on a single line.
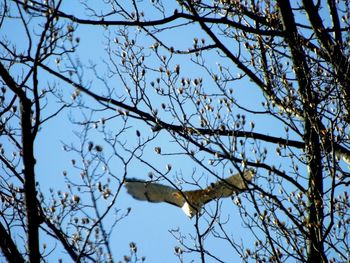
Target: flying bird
[[191, 202]]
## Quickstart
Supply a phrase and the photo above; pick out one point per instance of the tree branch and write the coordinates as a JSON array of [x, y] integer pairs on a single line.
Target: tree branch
[[28, 163], [8, 247]]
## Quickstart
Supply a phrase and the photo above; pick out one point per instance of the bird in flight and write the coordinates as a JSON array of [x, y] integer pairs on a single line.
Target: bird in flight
[[191, 202]]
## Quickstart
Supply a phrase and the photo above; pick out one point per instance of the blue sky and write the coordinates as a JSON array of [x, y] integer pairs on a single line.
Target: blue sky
[[150, 226], [153, 227]]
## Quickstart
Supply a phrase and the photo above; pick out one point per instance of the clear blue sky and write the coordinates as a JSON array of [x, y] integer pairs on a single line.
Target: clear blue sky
[[150, 226]]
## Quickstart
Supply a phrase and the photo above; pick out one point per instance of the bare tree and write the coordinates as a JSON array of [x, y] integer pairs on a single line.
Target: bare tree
[[230, 85]]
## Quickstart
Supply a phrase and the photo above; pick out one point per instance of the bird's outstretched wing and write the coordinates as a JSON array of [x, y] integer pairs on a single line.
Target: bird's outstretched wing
[[154, 192], [190, 201], [227, 187], [222, 188]]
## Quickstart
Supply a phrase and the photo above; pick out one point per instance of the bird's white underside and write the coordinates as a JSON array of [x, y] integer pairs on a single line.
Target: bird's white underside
[[188, 210]]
